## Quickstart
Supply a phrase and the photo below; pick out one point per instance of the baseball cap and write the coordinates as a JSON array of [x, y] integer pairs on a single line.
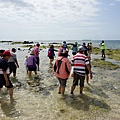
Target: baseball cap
[[13, 49], [81, 48], [7, 53]]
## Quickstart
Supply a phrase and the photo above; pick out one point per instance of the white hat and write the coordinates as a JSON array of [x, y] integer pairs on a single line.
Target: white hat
[[81, 48]]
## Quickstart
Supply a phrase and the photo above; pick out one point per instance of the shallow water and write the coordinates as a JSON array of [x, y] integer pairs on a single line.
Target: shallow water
[[37, 99]]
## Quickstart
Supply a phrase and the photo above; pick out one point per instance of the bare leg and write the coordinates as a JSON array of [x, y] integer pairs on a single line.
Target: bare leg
[[51, 60], [35, 73], [14, 74], [81, 89], [59, 89], [87, 78], [29, 73], [11, 93], [62, 91], [38, 66], [72, 89], [26, 70]]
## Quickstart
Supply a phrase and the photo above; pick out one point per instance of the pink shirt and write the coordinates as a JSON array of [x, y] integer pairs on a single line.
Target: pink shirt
[[36, 51], [62, 71]]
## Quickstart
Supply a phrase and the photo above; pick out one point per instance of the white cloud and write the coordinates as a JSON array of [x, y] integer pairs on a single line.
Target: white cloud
[[47, 10]]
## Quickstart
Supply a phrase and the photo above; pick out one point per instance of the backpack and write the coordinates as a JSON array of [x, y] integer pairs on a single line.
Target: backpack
[[59, 65], [49, 53]]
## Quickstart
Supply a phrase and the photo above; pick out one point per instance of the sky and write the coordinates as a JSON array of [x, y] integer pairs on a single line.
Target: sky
[[59, 20]]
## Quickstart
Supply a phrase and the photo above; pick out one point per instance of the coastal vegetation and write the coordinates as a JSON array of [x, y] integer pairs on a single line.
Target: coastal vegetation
[[111, 53]]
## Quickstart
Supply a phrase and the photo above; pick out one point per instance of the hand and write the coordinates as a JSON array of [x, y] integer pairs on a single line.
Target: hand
[[91, 76]]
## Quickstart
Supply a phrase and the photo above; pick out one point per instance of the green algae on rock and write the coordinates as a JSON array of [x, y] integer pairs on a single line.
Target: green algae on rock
[[104, 64], [111, 53]]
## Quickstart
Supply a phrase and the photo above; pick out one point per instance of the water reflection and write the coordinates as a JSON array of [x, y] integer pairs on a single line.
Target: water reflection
[[8, 108], [83, 102]]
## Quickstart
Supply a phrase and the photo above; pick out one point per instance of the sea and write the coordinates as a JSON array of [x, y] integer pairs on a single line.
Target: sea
[[110, 44]]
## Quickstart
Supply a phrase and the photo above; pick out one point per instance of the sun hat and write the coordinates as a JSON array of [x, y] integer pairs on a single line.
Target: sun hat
[[7, 53]]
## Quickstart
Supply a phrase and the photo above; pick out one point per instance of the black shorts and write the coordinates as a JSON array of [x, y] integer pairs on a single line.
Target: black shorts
[[12, 67], [51, 57], [37, 60], [32, 68], [62, 82], [3, 82], [78, 77]]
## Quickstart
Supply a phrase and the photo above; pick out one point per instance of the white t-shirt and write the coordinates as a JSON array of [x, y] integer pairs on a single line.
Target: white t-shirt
[[11, 59]]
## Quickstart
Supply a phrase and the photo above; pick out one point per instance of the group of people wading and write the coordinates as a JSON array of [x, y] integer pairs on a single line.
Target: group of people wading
[[62, 65]]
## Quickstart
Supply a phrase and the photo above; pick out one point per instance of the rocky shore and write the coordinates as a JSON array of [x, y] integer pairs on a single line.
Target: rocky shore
[[37, 98]]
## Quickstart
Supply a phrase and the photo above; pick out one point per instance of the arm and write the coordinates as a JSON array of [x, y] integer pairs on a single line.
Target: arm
[[16, 62], [89, 69], [67, 66], [6, 78]]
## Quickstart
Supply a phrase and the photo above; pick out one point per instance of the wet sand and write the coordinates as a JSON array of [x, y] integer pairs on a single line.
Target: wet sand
[[37, 99]]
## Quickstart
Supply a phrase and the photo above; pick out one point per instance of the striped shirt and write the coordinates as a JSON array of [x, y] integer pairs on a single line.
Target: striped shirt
[[79, 62]]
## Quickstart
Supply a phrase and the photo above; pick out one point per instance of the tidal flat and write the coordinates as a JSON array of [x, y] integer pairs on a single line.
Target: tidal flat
[[38, 98]]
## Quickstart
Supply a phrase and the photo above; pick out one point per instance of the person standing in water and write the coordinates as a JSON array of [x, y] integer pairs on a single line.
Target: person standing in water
[[103, 48], [62, 68], [74, 48], [31, 64], [51, 53], [4, 73], [79, 62], [36, 52], [13, 62]]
